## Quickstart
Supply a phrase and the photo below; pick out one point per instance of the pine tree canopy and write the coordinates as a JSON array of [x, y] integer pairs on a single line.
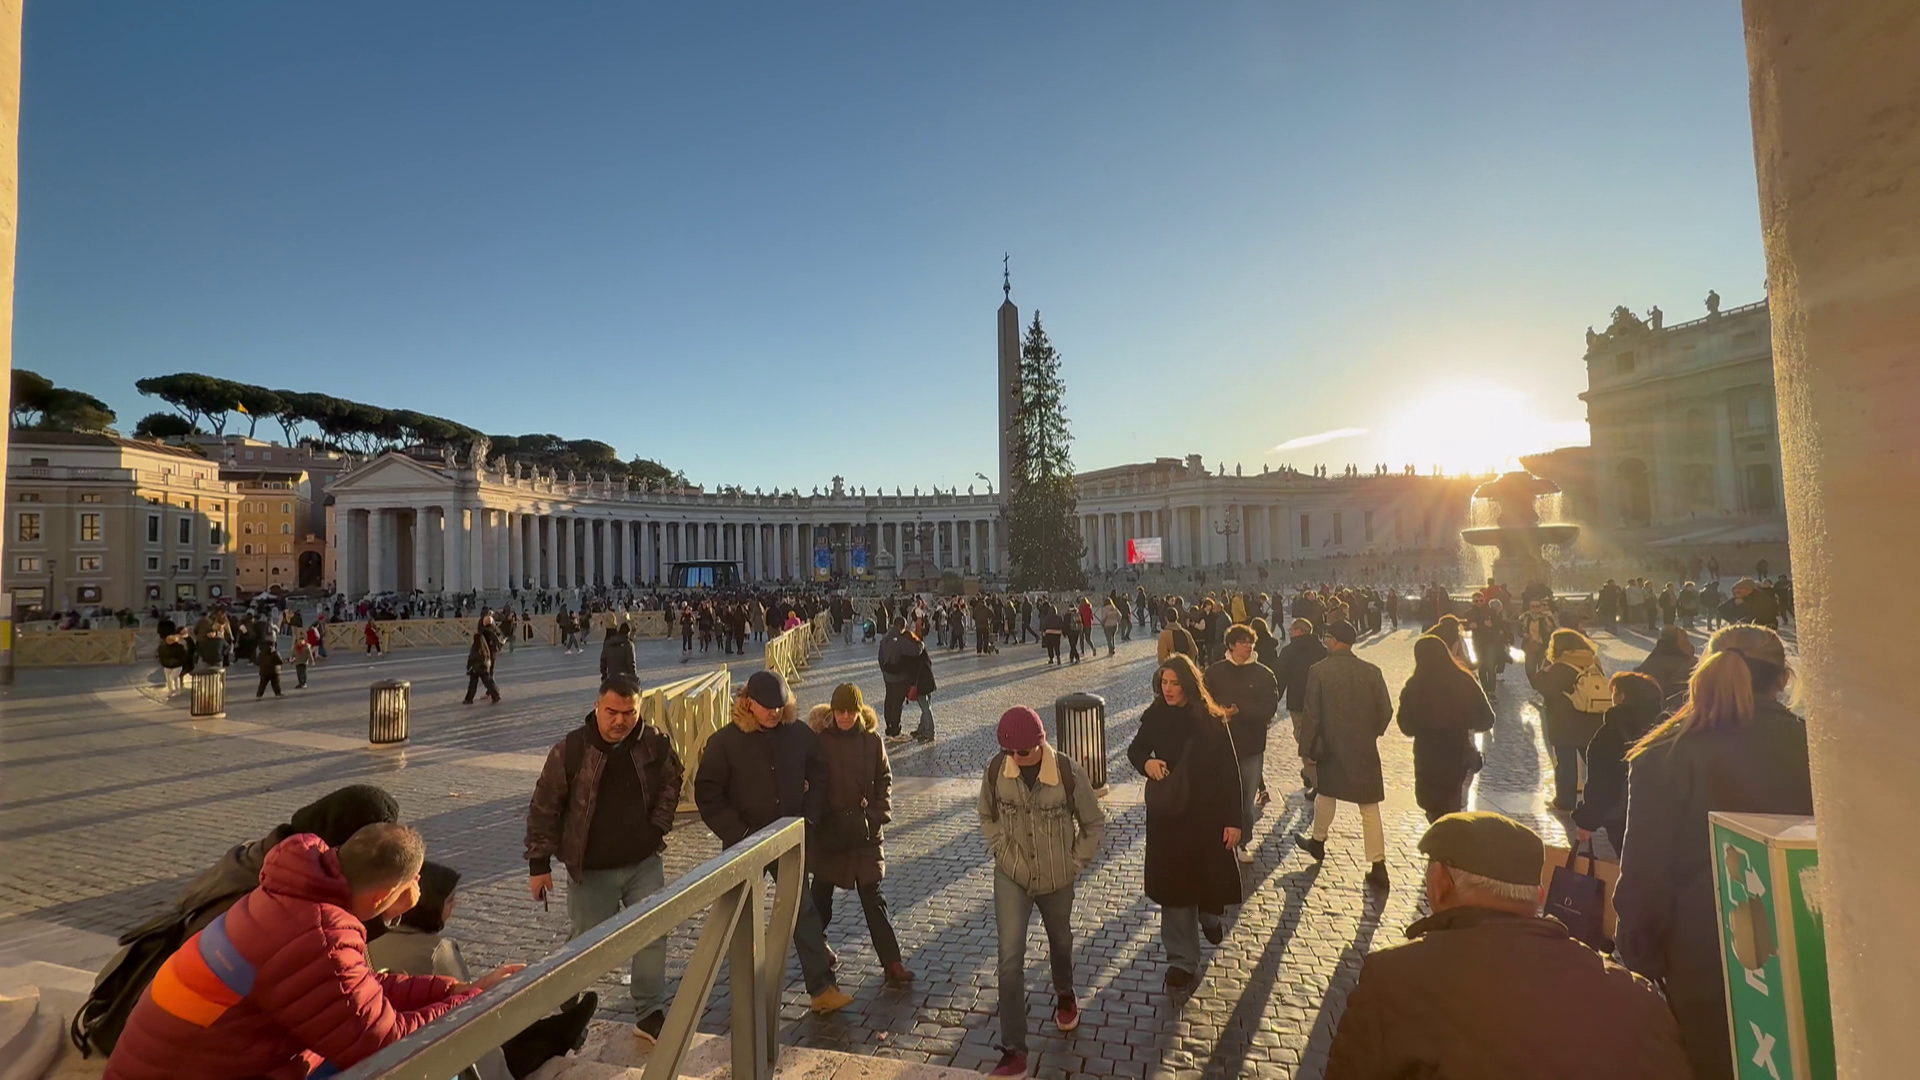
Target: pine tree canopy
[[1043, 533]]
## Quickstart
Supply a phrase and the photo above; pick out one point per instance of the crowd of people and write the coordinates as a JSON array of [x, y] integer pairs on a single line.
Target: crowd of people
[[1640, 758]]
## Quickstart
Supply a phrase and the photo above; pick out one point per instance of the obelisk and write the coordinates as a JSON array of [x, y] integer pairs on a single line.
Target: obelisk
[[1009, 404]]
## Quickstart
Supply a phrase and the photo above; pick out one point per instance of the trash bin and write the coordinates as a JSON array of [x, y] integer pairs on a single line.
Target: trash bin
[[387, 712], [209, 701], [1080, 732]]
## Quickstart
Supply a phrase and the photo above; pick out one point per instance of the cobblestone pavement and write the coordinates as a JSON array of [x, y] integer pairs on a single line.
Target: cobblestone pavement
[[113, 799]]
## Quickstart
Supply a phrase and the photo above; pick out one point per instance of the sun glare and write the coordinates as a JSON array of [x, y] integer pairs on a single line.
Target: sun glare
[[1473, 428]]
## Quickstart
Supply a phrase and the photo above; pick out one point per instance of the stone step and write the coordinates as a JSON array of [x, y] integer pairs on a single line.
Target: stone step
[[613, 1052], [36, 1002]]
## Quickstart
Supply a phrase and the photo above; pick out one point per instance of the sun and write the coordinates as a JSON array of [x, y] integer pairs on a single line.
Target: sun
[[1473, 428]]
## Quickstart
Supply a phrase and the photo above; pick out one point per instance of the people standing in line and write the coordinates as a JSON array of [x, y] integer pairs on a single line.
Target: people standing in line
[[1687, 605], [1671, 664], [1042, 825], [480, 656], [1485, 986], [1246, 691], [1441, 707], [1186, 752], [1638, 702], [846, 851], [1710, 603], [1733, 747], [268, 661], [758, 769], [1576, 699], [900, 653], [1303, 650], [1348, 709]]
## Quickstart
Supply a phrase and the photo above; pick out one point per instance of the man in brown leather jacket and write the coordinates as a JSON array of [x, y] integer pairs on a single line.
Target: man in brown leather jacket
[[603, 805], [1486, 989]]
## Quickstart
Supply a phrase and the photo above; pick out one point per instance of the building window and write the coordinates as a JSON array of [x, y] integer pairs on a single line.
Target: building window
[[286, 508], [214, 565], [286, 528], [1624, 363], [246, 528], [286, 548], [90, 497], [87, 564], [28, 496], [186, 563], [1760, 498], [153, 564], [213, 535], [90, 528], [153, 528], [29, 527], [1339, 536], [184, 592], [249, 455], [246, 549], [27, 564], [186, 530], [1306, 530]]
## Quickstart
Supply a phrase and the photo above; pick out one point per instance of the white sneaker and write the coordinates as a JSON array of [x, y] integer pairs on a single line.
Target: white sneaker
[[1243, 854]]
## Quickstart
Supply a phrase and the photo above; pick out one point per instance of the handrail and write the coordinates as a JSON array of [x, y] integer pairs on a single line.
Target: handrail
[[728, 887], [689, 711]]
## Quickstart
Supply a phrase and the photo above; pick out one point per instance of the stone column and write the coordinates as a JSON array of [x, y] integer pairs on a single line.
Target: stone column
[[453, 550], [1836, 128], [379, 559], [992, 550], [590, 553], [516, 549], [605, 552], [480, 549], [422, 564]]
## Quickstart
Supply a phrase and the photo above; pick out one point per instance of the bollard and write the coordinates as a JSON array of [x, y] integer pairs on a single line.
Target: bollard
[[209, 701], [1080, 732], [387, 712]]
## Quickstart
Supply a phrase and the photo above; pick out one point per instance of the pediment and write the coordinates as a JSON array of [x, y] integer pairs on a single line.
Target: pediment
[[392, 473]]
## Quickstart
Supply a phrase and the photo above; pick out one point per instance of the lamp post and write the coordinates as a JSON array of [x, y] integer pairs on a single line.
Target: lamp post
[[1228, 528]]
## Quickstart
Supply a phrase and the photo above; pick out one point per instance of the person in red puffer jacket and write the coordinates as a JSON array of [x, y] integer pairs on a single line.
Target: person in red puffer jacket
[[279, 983]]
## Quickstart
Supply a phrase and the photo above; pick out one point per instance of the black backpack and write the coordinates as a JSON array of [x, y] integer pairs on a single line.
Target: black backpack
[[98, 1022]]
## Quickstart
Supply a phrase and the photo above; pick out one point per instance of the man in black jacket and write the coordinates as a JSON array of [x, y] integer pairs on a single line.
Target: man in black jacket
[[1247, 690], [1302, 650], [763, 767], [900, 654]]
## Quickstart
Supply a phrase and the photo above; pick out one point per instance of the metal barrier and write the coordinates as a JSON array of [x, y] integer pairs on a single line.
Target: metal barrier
[[76, 648], [1080, 731], [728, 887], [387, 708], [209, 701], [689, 712]]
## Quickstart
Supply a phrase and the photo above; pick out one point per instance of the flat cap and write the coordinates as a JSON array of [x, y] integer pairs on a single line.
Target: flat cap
[[1491, 845]]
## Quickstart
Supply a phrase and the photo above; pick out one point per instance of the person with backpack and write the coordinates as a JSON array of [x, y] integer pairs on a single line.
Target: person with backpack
[[617, 655], [1638, 702], [845, 852], [604, 805], [1576, 697], [1042, 825], [480, 656]]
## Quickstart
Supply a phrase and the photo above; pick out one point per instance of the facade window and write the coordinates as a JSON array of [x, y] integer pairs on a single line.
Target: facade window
[[249, 455], [1338, 533], [153, 564], [1306, 531], [90, 497], [246, 549], [27, 564], [153, 528], [87, 564], [29, 496], [90, 528], [286, 528], [213, 535], [1699, 479], [214, 565], [186, 563], [285, 549], [286, 508], [1760, 498], [246, 528], [29, 527], [186, 530]]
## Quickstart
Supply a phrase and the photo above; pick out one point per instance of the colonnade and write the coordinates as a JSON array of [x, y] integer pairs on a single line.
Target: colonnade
[[1208, 534]]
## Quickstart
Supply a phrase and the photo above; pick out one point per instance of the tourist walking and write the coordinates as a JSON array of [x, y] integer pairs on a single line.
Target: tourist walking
[[1075, 631], [1175, 638], [900, 653], [267, 660], [845, 850], [480, 657], [758, 769], [1053, 627], [174, 656], [1537, 625], [1732, 747], [1486, 986], [302, 658], [1576, 699], [921, 694], [1348, 709], [617, 655], [1441, 707], [1185, 751], [1042, 825], [1246, 692], [1303, 650], [370, 631], [1637, 705], [1110, 622]]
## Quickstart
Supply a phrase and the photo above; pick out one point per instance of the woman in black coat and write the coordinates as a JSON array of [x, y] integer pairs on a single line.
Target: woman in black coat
[[1636, 709], [1441, 707], [1193, 822], [1671, 665], [1733, 747]]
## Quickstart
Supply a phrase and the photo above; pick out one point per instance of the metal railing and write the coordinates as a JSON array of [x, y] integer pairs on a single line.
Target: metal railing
[[690, 711], [728, 887]]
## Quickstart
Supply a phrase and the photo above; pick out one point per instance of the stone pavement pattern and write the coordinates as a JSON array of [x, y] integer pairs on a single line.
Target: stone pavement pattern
[[113, 799]]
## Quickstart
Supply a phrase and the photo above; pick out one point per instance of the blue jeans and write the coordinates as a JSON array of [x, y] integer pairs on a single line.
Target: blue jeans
[[1180, 935], [598, 896], [925, 730], [1012, 912]]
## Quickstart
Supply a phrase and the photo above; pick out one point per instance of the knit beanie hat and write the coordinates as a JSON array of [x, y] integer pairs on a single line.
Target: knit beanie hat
[[847, 699], [336, 816], [1020, 729]]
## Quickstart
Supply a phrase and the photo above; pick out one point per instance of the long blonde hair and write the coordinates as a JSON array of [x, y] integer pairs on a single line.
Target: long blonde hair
[[1742, 664]]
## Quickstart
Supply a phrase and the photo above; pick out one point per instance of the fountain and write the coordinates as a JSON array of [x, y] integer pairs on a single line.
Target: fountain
[[1517, 533]]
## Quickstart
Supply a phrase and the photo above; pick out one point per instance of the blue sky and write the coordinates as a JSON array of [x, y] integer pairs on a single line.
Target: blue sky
[[761, 242]]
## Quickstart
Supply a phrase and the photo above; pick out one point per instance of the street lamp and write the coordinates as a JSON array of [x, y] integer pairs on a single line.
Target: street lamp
[[1228, 528]]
